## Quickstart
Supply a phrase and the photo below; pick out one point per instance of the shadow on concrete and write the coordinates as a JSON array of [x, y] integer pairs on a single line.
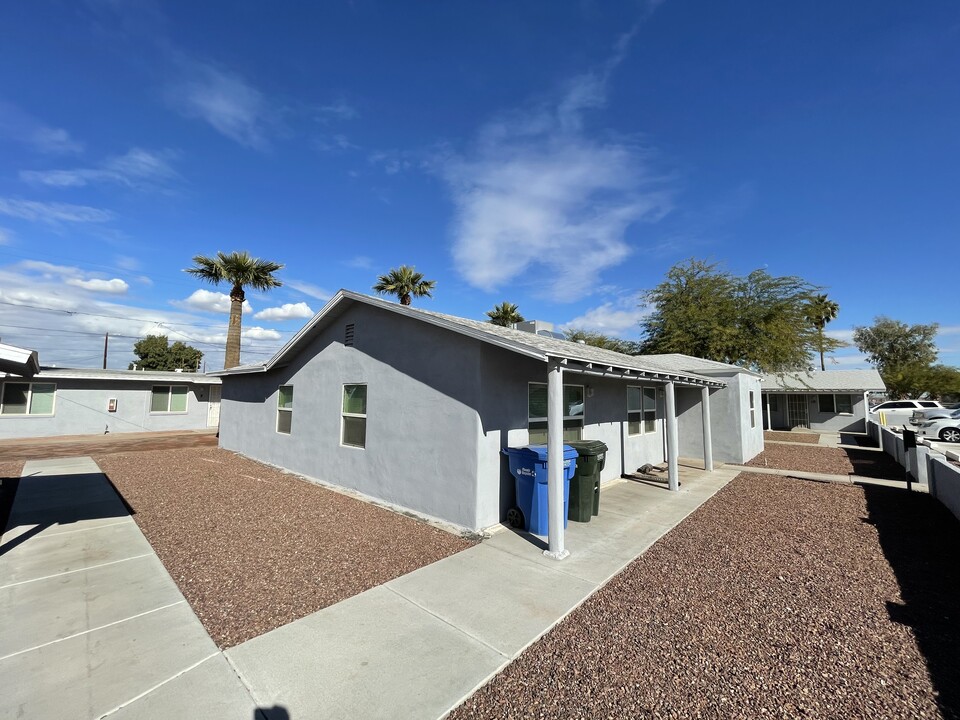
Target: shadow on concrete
[[872, 464], [277, 712], [859, 439], [920, 539], [47, 500]]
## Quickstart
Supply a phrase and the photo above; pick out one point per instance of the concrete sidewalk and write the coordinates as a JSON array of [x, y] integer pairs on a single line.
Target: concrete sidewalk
[[419, 645], [91, 624]]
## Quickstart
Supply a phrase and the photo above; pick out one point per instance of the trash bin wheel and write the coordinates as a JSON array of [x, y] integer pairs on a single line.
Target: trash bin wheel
[[515, 517]]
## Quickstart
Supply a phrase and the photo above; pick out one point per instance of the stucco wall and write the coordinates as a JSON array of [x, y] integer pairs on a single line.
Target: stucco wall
[[421, 450], [80, 408], [735, 440]]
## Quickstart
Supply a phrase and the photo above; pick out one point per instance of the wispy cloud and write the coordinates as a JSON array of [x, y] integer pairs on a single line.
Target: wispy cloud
[[226, 101], [287, 311], [73, 276], [52, 213], [309, 289], [616, 317], [337, 110], [361, 262], [19, 126], [536, 189], [334, 143], [209, 301], [137, 168], [6, 236]]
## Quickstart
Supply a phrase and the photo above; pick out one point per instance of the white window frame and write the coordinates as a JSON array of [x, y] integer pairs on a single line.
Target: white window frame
[[642, 412], [281, 409], [571, 419], [753, 409], [3, 391], [168, 411], [344, 414]]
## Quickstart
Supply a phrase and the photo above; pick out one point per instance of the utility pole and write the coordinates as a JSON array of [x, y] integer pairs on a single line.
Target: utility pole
[[106, 341]]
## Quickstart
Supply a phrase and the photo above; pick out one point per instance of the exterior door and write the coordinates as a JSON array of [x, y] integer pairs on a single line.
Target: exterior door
[[797, 414], [213, 407]]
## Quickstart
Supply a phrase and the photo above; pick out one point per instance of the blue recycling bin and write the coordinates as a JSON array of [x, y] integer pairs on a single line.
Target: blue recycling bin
[[528, 465]]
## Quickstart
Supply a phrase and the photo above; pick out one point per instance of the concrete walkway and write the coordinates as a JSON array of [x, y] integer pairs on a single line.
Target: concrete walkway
[[91, 624], [419, 645]]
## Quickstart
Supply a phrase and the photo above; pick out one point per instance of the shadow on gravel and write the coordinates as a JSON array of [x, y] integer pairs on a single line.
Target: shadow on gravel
[[920, 539]]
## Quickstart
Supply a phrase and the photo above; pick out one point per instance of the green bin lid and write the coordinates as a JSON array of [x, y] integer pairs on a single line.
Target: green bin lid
[[589, 447]]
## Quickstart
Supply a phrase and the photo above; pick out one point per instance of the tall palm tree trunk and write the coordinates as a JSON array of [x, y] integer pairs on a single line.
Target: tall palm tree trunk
[[232, 356], [823, 367]]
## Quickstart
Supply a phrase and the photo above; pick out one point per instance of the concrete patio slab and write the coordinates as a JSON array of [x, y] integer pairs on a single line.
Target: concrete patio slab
[[503, 600], [211, 690], [92, 674], [48, 555], [65, 605], [375, 655]]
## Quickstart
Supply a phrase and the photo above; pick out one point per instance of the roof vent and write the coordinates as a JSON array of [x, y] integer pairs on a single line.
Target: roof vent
[[348, 335]]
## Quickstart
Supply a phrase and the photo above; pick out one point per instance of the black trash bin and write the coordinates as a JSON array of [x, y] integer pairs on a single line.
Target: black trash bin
[[585, 483]]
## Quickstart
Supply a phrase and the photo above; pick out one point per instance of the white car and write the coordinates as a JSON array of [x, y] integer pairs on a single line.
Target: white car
[[904, 405], [946, 429]]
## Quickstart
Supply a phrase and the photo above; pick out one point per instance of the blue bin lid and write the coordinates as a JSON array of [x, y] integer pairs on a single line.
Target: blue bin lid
[[538, 453]]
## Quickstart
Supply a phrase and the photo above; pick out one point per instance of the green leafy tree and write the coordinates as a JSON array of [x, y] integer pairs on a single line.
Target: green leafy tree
[[405, 283], [505, 314], [916, 379], [240, 271], [892, 344], [820, 311], [596, 339], [154, 352], [758, 321]]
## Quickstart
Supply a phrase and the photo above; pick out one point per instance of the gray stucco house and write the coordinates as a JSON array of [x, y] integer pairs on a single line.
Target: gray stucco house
[[44, 402], [831, 401], [412, 407]]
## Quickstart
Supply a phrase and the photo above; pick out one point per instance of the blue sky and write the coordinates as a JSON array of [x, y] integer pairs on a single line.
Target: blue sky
[[561, 156]]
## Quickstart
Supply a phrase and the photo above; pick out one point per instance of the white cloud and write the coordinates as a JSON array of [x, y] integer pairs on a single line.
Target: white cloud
[[52, 212], [338, 110], [115, 286], [227, 102], [535, 190], [6, 236], [287, 311], [309, 289], [137, 168], [334, 143], [844, 335], [361, 262], [618, 317], [259, 333], [21, 127], [209, 301]]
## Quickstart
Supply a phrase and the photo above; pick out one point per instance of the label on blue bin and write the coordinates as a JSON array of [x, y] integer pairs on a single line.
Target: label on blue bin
[[528, 472]]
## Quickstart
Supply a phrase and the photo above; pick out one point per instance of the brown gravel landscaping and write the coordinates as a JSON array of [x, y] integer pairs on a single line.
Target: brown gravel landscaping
[[835, 461], [778, 598], [797, 437], [253, 548]]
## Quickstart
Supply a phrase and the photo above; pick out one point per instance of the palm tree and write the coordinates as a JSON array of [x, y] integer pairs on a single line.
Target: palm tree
[[404, 282], [240, 271], [821, 310], [505, 314]]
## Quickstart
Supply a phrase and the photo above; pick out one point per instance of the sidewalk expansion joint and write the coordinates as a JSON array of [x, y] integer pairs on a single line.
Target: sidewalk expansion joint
[[70, 532], [447, 622], [69, 572], [90, 630], [157, 686]]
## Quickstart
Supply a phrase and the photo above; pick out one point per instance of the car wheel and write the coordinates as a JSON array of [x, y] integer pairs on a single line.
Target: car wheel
[[950, 435]]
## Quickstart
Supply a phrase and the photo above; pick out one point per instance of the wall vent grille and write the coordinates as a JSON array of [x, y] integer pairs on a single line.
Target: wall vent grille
[[348, 335]]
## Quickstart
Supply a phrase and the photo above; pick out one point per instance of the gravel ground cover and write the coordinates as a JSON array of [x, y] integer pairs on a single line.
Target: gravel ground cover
[[835, 461], [778, 598], [253, 548], [797, 437]]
